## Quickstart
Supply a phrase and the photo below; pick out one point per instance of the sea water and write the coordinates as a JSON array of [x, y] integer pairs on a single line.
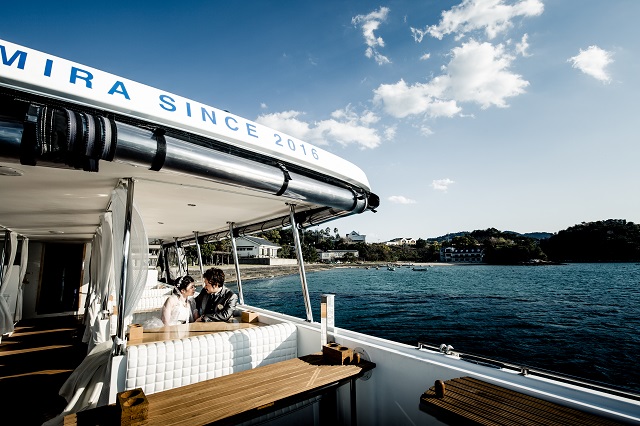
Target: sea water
[[581, 320]]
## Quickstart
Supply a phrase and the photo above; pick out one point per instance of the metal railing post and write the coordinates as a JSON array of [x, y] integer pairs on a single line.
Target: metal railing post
[[180, 271], [2, 256], [126, 246], [236, 263], [195, 233], [303, 276]]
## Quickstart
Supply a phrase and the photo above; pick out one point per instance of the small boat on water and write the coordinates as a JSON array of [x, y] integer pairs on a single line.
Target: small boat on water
[[391, 268], [419, 269], [98, 171]]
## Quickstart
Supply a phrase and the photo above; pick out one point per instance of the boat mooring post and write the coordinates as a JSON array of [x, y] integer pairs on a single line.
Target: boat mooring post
[[235, 262], [126, 251], [303, 276], [195, 233]]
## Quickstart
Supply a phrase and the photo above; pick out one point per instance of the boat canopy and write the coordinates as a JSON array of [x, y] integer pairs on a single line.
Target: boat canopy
[[69, 134]]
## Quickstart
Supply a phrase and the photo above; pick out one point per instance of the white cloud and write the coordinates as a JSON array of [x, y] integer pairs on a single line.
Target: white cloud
[[477, 72], [425, 56], [345, 127], [441, 184], [425, 131], [390, 133], [418, 34], [401, 100], [369, 24], [263, 105], [345, 133], [368, 118], [286, 122], [593, 62], [492, 16], [522, 47], [399, 199], [377, 56]]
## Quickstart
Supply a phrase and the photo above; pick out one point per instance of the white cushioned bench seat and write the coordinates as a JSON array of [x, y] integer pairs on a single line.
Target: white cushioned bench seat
[[156, 292], [149, 303], [160, 366]]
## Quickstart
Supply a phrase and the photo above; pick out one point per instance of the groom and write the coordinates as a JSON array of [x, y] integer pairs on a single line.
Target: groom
[[216, 302]]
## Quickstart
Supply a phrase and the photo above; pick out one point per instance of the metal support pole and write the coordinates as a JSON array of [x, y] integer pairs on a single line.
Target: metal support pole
[[2, 256], [180, 271], [195, 233], [303, 276], [354, 408], [165, 260], [126, 246], [236, 263]]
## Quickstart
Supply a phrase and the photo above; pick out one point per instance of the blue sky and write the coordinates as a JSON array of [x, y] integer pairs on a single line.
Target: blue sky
[[515, 114]]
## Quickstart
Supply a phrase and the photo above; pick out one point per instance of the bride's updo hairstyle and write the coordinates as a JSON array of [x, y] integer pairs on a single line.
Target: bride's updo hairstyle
[[183, 283]]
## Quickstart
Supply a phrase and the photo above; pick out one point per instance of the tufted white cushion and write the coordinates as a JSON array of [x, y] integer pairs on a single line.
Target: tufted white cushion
[[151, 302], [160, 366], [156, 292]]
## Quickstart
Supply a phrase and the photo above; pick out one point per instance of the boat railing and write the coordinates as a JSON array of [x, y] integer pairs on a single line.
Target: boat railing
[[529, 371]]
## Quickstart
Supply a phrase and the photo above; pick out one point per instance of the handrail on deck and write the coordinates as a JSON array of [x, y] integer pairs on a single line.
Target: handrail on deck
[[524, 370]]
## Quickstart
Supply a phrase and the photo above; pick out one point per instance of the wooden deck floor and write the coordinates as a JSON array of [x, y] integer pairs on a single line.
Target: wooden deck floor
[[34, 363], [471, 402]]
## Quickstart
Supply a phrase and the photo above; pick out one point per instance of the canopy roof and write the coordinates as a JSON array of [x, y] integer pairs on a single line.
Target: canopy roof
[[70, 133]]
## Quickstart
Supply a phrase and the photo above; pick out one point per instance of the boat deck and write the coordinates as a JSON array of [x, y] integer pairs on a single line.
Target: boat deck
[[34, 363], [469, 401]]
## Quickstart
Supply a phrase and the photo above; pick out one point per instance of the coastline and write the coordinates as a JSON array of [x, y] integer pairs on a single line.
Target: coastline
[[254, 272]]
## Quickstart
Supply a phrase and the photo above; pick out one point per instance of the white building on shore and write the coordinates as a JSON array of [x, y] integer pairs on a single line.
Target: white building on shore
[[466, 255], [256, 247], [401, 242], [355, 237], [334, 255]]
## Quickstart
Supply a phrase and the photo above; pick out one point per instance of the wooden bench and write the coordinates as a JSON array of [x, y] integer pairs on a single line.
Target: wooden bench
[[469, 401], [246, 394]]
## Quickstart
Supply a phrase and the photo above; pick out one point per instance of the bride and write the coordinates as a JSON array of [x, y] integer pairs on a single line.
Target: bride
[[180, 308]]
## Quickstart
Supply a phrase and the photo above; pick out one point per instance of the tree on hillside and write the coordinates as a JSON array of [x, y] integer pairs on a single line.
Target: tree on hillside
[[601, 241], [502, 251], [464, 241], [379, 252], [349, 257], [271, 236], [485, 234]]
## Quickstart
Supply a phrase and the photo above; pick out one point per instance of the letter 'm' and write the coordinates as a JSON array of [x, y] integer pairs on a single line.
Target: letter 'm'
[[19, 54]]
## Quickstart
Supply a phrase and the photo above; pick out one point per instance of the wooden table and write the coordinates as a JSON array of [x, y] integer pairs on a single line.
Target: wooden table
[[240, 396], [172, 332], [469, 401]]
